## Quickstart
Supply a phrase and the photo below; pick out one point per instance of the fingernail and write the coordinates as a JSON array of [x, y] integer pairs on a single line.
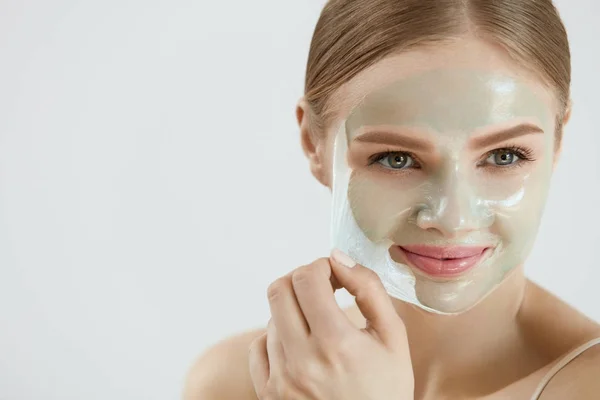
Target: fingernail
[[342, 258]]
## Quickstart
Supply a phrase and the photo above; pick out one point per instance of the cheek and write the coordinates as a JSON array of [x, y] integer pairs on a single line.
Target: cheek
[[518, 220], [378, 203], [500, 192]]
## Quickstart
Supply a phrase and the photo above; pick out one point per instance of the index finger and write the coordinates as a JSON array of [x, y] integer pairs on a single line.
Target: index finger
[[371, 298], [314, 286]]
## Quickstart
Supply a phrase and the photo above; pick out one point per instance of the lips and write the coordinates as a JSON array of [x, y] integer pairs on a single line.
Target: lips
[[443, 262]]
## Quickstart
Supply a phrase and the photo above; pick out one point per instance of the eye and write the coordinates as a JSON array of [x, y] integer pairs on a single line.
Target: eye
[[511, 156], [394, 160], [503, 157]]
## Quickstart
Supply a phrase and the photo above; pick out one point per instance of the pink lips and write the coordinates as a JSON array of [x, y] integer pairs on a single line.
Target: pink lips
[[443, 261]]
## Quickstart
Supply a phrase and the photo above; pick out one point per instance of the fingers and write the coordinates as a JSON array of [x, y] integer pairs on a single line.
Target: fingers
[[371, 298], [259, 363], [313, 287], [275, 351], [286, 314]]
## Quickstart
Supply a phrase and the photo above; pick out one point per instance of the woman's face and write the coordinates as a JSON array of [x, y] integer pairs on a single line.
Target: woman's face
[[451, 151]]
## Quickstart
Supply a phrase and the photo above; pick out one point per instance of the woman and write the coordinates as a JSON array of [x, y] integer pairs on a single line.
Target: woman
[[491, 79]]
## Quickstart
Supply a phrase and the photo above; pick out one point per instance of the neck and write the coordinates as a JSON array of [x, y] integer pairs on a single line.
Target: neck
[[444, 348]]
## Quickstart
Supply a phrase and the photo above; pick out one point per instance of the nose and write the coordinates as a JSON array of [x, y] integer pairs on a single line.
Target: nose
[[453, 207]]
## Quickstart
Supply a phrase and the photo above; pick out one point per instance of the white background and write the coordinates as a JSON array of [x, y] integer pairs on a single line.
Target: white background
[[152, 185]]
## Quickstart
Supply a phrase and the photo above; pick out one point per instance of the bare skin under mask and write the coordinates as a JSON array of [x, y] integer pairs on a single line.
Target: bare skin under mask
[[440, 181]]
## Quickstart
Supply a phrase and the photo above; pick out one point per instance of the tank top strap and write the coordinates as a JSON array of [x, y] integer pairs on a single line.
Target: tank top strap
[[561, 364]]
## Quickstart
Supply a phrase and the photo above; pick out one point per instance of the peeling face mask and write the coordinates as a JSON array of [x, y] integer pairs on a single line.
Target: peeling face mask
[[439, 184]]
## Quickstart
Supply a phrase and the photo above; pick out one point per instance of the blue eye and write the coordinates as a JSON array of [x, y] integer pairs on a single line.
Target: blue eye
[[396, 160]]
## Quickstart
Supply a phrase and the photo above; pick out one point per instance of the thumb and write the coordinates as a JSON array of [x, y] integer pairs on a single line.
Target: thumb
[[371, 298]]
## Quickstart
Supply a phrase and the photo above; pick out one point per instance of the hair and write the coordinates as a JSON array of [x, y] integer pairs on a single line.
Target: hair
[[352, 35]]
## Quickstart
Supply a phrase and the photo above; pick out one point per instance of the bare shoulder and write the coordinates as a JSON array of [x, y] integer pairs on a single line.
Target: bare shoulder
[[559, 329], [578, 380], [222, 373], [552, 325]]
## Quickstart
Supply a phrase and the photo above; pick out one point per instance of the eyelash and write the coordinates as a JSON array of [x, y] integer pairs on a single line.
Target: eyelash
[[523, 154], [380, 156]]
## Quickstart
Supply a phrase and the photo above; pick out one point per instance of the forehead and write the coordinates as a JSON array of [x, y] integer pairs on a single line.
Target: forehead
[[452, 100], [464, 54]]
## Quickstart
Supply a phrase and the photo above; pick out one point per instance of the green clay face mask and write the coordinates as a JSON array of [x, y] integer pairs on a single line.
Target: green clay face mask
[[440, 182]]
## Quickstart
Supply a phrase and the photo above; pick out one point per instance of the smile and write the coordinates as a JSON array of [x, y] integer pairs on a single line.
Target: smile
[[443, 262]]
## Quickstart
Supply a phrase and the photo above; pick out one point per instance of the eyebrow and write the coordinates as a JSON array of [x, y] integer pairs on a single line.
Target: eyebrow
[[395, 139], [506, 134]]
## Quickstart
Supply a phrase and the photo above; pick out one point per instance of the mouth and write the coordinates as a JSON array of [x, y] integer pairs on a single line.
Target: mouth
[[444, 262]]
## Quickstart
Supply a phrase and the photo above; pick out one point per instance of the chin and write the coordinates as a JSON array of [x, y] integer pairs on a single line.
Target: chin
[[450, 297], [460, 295]]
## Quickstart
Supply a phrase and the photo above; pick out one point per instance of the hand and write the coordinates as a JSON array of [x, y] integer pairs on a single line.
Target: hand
[[313, 351]]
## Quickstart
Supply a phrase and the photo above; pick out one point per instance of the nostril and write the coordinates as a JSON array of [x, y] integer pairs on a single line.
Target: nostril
[[434, 231]]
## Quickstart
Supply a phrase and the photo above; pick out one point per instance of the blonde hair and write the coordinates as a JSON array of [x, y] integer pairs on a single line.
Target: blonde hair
[[352, 35]]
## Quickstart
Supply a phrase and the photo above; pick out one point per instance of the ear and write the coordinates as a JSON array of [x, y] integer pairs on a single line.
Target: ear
[[313, 143], [567, 116], [565, 121]]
